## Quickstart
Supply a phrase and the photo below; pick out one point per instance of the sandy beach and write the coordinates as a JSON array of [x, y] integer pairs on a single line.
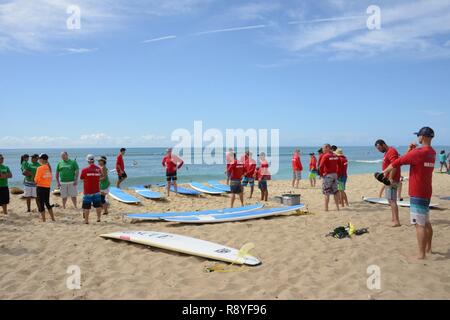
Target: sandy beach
[[299, 262]]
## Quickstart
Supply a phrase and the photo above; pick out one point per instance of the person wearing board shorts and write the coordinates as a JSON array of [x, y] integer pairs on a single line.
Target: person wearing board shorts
[[329, 169], [313, 172], [5, 174], [43, 180], [250, 168], [297, 169], [120, 168], [172, 163], [237, 171], [263, 175], [67, 172], [422, 162], [91, 189], [229, 161], [342, 178], [391, 192], [29, 171], [104, 183]]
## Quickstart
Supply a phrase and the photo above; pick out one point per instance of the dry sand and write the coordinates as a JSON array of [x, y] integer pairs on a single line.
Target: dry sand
[[299, 262]]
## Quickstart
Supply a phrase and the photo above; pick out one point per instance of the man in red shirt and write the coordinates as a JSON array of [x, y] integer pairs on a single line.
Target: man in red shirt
[[390, 156], [120, 167], [172, 163], [92, 196], [320, 153], [342, 177], [422, 162], [329, 169], [313, 170], [297, 169], [250, 168], [237, 172]]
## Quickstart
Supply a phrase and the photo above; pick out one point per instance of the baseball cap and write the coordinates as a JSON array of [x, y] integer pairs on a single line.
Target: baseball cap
[[43, 156], [90, 157], [425, 132]]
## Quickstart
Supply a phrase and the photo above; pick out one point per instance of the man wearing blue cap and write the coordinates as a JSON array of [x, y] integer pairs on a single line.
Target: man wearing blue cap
[[422, 161]]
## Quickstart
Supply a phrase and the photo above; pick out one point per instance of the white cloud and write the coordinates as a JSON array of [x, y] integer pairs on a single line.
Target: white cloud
[[407, 28], [160, 39], [80, 50], [41, 25], [243, 28], [85, 140]]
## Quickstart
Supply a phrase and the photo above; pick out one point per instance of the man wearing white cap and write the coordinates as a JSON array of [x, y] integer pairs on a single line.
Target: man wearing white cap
[[92, 195]]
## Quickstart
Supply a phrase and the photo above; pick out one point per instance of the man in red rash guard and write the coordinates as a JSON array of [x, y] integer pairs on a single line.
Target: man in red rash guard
[[390, 156], [92, 196], [329, 169], [297, 169], [320, 153], [172, 163], [237, 172], [120, 167], [342, 177], [229, 159], [422, 162], [250, 168]]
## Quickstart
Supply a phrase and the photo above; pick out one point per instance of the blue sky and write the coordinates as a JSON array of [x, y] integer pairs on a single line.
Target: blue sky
[[137, 70]]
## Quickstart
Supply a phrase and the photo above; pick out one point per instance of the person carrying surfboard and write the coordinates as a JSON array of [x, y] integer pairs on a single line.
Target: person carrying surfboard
[[172, 163], [329, 169], [250, 168], [391, 192], [422, 162], [237, 172], [120, 168], [104, 183], [313, 172], [5, 174], [43, 181], [92, 196], [297, 169]]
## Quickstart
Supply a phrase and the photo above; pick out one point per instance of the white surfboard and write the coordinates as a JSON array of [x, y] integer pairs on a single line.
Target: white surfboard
[[186, 245], [205, 189], [221, 218], [122, 196], [405, 204]]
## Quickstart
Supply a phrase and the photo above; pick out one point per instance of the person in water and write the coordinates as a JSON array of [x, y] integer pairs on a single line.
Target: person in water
[[422, 162], [43, 181], [29, 171], [5, 174], [104, 183]]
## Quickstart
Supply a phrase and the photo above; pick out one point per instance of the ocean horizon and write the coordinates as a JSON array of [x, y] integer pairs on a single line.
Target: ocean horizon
[[143, 165]]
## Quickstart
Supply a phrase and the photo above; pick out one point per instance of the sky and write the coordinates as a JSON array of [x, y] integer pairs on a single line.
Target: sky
[[135, 71]]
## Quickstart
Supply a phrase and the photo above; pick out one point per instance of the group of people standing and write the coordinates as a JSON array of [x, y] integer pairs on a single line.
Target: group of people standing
[[331, 167]]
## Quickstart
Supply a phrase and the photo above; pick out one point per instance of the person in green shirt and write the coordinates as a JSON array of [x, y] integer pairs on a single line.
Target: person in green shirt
[[29, 171], [104, 183], [67, 173], [5, 174]]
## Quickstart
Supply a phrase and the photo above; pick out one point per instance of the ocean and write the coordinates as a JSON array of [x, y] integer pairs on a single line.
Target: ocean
[[143, 165]]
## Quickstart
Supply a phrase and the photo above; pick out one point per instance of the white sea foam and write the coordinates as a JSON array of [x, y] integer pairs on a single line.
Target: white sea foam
[[369, 161]]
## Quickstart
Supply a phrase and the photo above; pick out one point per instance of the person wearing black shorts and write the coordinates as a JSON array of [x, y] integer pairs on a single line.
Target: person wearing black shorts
[[172, 163], [120, 168], [5, 174]]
